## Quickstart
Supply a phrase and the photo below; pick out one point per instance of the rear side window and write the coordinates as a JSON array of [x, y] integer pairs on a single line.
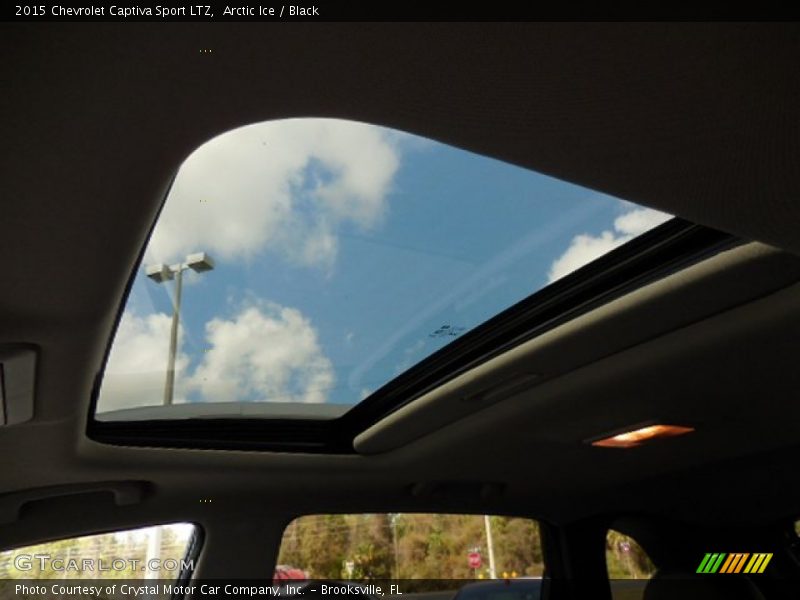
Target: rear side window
[[625, 558], [158, 552], [629, 567], [503, 554]]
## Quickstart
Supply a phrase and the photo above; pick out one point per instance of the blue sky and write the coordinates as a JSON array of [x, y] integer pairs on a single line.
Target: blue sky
[[344, 254]]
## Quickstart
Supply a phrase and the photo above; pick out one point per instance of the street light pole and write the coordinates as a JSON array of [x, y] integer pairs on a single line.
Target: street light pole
[[394, 518], [199, 262], [169, 385], [490, 546]]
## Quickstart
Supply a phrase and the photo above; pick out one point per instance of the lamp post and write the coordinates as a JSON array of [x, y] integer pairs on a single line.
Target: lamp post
[[487, 523], [199, 262], [393, 520]]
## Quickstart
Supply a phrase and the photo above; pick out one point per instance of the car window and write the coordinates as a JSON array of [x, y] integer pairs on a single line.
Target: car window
[[625, 558], [503, 555], [629, 566], [158, 552], [297, 230]]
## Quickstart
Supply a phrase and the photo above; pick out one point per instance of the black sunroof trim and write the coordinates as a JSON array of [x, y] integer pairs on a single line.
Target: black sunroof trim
[[651, 256]]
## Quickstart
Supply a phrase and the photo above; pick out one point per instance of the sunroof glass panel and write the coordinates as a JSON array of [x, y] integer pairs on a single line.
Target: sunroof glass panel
[[318, 259]]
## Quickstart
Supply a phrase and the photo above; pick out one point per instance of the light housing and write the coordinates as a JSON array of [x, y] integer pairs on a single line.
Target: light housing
[[159, 272], [640, 435], [199, 262]]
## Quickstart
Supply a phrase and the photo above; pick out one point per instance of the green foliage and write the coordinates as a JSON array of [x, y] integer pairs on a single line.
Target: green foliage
[[512, 540], [322, 545], [370, 547], [625, 559], [409, 546]]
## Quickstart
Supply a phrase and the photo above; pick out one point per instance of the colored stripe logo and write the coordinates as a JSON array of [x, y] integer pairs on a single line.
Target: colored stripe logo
[[737, 562]]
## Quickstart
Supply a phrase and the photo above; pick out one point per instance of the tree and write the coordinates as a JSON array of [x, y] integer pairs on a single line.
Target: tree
[[517, 546], [371, 549], [324, 540], [625, 559], [427, 546]]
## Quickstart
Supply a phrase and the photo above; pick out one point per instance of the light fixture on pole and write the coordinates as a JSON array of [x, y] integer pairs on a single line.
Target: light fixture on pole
[[199, 262]]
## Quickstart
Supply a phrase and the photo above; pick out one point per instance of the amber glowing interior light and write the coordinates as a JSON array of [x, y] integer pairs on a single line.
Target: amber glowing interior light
[[637, 437]]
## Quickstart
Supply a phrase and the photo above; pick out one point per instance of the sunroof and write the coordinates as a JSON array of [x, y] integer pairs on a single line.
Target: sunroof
[[319, 259]]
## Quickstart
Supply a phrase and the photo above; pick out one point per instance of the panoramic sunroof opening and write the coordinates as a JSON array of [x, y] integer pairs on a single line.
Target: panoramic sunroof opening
[[312, 261]]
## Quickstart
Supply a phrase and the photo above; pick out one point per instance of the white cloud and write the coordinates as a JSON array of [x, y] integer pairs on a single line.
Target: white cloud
[[286, 186], [266, 353], [136, 369], [585, 248], [637, 221]]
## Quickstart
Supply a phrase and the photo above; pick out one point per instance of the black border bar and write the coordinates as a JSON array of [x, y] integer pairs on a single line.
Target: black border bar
[[263, 11]]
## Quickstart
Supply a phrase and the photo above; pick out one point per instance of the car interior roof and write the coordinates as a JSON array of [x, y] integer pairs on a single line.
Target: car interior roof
[[696, 119]]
